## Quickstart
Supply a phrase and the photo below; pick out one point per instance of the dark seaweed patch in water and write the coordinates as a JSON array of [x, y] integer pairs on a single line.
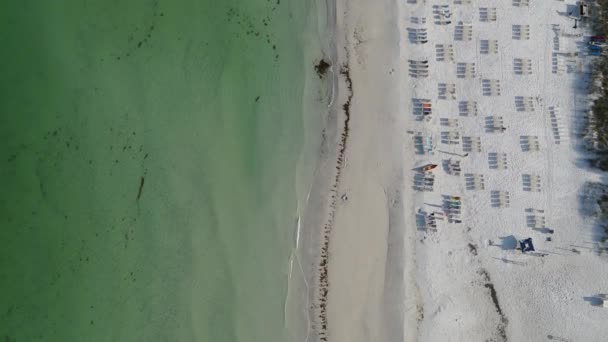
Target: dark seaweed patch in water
[[248, 25], [322, 68]]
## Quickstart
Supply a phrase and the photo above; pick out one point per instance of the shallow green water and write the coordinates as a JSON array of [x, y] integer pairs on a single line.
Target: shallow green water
[[200, 99]]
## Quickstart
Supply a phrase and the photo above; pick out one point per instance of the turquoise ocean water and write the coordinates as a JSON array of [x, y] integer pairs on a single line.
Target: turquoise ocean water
[[148, 166]]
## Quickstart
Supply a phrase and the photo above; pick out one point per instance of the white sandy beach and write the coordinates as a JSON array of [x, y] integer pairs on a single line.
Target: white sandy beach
[[506, 89]]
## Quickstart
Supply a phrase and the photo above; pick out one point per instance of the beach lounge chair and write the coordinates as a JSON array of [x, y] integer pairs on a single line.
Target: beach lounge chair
[[448, 122], [487, 14], [447, 91], [521, 32], [452, 167], [465, 70], [450, 137], [500, 199], [497, 161], [444, 52], [463, 32], [522, 66], [524, 103], [490, 87], [467, 108], [488, 46], [494, 124]]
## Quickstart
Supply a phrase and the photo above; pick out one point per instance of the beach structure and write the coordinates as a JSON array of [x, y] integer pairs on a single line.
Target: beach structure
[[526, 245], [487, 14]]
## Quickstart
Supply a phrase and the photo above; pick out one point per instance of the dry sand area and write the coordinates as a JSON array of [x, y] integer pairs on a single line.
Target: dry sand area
[[493, 92]]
